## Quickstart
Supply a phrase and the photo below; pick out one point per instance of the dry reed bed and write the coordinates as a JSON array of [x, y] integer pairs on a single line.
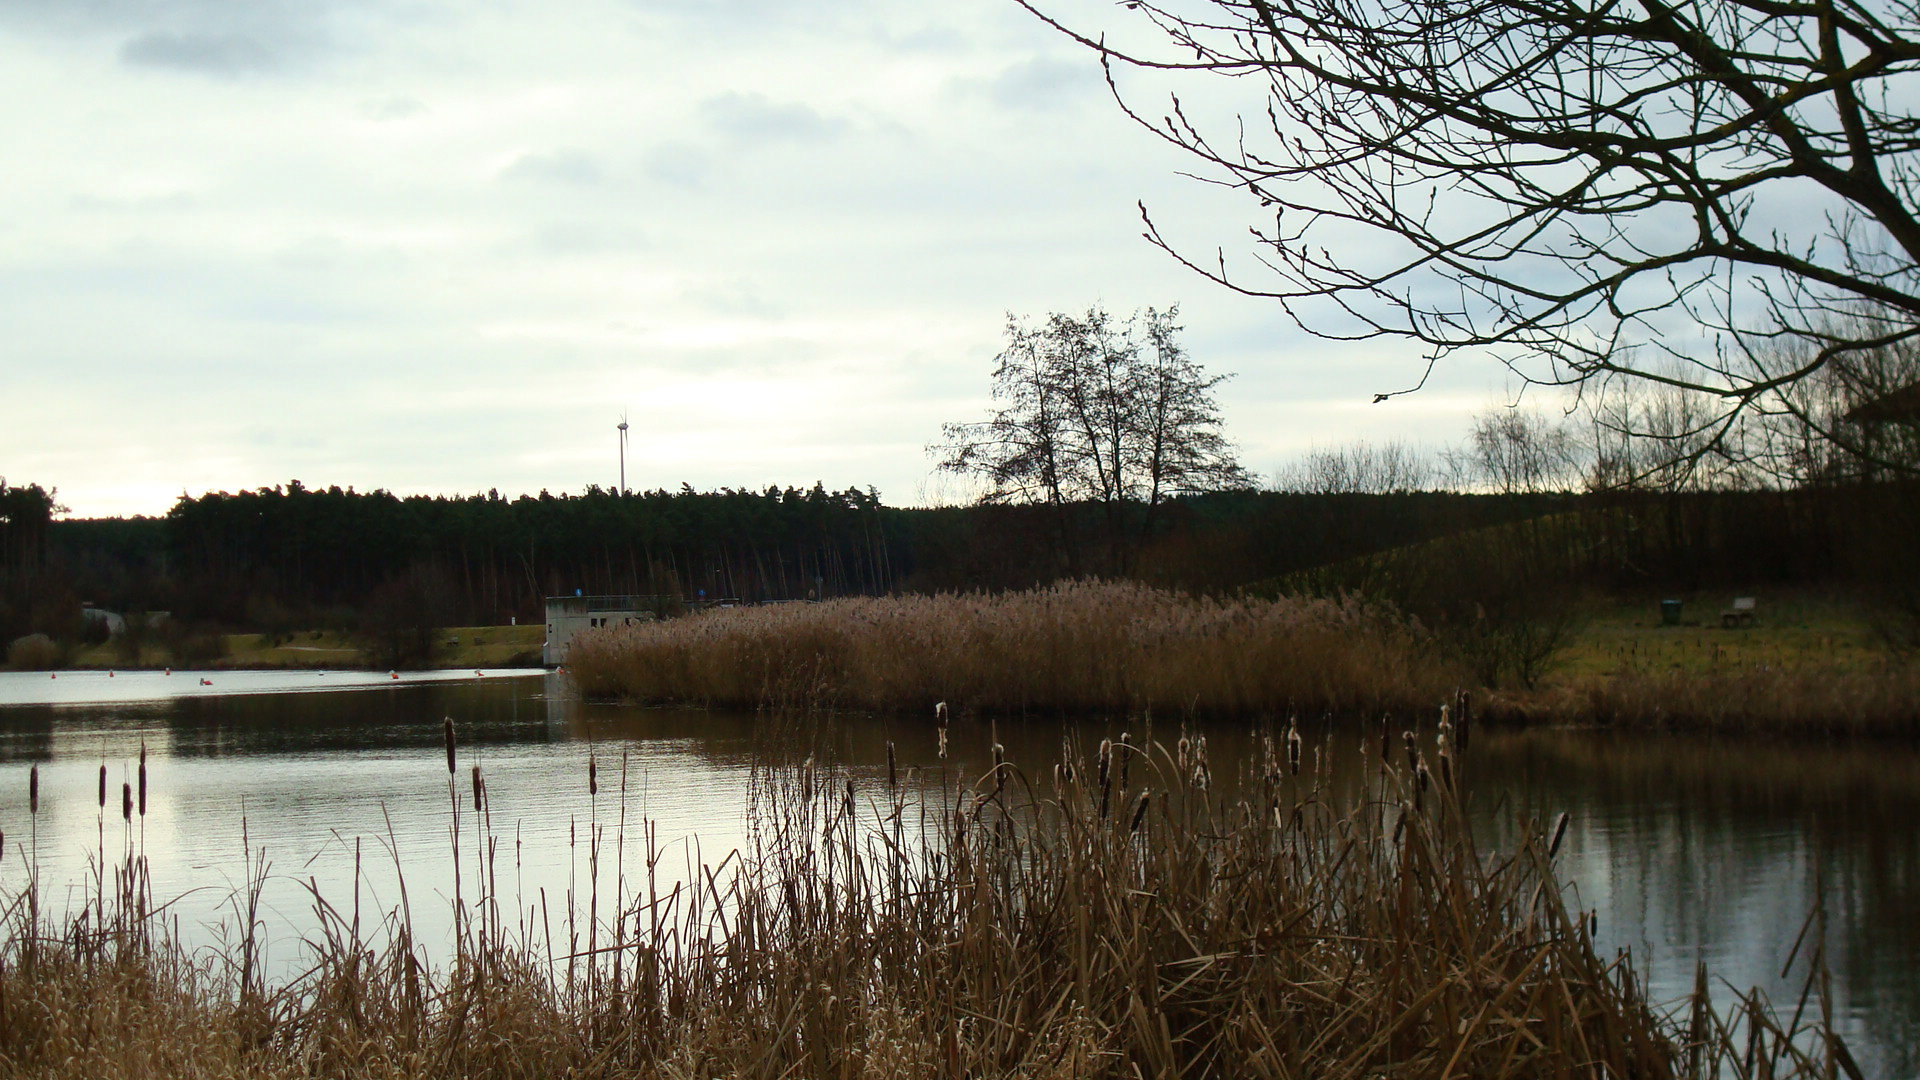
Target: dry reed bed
[[1110, 919], [1804, 698], [1082, 647]]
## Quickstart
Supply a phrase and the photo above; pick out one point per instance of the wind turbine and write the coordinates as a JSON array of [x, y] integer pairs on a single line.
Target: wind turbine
[[623, 453]]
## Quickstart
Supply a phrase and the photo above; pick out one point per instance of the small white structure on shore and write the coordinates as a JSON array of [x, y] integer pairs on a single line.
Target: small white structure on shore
[[568, 615]]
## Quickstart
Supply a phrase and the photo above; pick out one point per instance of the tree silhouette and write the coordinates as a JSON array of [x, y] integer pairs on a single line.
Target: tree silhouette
[[1583, 189], [1094, 410]]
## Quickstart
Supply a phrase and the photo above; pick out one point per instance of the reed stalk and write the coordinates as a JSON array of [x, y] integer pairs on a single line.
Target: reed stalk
[[1122, 917]]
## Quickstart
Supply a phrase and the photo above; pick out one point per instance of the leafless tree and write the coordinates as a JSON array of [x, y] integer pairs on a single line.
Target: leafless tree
[[1362, 467], [1092, 409], [1517, 450], [1660, 190], [1857, 418]]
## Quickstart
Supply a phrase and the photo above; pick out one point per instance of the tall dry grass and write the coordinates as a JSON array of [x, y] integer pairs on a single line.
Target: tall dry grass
[[1111, 918], [1805, 697], [1081, 647]]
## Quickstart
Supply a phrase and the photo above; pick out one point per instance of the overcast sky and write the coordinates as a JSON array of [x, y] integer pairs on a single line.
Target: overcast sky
[[442, 247]]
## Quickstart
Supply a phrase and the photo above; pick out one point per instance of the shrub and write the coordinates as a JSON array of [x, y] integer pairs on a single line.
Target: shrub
[[34, 652]]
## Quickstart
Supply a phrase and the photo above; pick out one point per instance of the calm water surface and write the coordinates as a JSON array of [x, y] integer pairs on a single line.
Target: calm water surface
[[1688, 849]]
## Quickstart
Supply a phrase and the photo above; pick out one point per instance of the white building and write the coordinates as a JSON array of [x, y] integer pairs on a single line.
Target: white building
[[568, 615]]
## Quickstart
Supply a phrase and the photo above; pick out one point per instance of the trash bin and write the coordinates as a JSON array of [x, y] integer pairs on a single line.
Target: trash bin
[[1670, 613]]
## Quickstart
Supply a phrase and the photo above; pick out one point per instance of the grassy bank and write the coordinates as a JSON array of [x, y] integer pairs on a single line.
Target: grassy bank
[[1074, 648], [1111, 918], [458, 647], [1809, 663]]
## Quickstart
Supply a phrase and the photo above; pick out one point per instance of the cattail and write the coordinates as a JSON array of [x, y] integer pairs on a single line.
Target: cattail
[[447, 730], [143, 779], [126, 803], [1293, 747], [593, 775], [1139, 812], [1182, 758], [103, 786], [479, 788], [1106, 770], [33, 790], [1126, 758], [1386, 740], [3, 845], [846, 804], [1463, 719], [1413, 751], [893, 767], [1559, 832]]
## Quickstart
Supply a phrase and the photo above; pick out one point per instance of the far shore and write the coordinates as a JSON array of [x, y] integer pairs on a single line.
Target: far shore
[[455, 647]]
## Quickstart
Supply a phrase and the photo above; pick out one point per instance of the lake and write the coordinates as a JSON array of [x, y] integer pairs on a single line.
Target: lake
[[1687, 848]]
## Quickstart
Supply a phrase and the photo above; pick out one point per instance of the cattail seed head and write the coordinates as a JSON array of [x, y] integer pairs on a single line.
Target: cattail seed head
[[593, 774], [1293, 747], [447, 730], [1139, 812], [33, 790], [893, 766], [143, 779], [103, 785], [1413, 750], [126, 802], [479, 788], [1559, 833]]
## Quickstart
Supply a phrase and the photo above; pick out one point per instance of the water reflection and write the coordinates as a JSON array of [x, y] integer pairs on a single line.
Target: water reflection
[[1687, 848]]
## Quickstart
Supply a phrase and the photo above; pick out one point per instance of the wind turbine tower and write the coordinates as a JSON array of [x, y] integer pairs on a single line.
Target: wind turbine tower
[[623, 453]]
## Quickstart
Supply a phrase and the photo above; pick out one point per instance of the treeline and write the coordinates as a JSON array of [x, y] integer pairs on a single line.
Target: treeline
[[28, 593], [297, 556], [293, 557]]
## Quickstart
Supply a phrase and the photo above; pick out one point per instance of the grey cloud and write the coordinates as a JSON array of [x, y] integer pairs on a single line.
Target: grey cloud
[[940, 40], [678, 164], [563, 166], [735, 297], [227, 55], [756, 118], [1041, 82], [397, 107], [583, 238], [168, 203]]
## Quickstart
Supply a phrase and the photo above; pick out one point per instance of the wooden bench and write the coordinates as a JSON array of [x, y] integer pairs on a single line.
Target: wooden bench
[[1740, 613]]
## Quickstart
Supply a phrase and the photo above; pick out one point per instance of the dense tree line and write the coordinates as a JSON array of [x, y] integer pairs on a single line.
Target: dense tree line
[[291, 557], [297, 553]]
